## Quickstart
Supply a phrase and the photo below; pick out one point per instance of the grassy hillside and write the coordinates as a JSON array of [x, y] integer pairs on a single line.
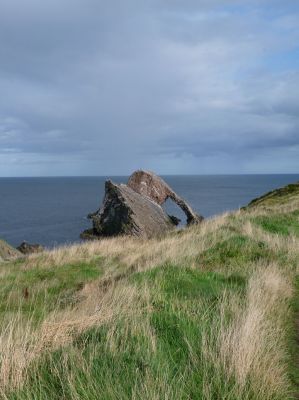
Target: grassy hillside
[[7, 251], [205, 313]]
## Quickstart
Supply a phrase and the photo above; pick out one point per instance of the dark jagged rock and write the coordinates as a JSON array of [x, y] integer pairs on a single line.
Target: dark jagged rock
[[8, 252], [175, 220], [27, 248], [88, 234], [126, 212], [150, 185]]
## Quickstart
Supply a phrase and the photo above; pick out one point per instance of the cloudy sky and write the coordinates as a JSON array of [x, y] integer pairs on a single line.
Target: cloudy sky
[[92, 87]]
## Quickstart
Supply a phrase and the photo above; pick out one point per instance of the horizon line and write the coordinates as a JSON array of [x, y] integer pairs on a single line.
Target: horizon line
[[121, 176]]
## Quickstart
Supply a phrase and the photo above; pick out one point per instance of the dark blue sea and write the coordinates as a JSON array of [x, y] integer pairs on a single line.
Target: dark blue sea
[[52, 211]]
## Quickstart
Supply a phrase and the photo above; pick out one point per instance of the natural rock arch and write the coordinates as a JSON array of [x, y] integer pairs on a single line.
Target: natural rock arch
[[149, 184]]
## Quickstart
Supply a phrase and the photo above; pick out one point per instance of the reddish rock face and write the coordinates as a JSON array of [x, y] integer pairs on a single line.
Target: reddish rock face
[[149, 184]]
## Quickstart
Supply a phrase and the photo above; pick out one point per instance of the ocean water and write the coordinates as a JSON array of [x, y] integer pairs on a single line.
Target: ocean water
[[52, 211]]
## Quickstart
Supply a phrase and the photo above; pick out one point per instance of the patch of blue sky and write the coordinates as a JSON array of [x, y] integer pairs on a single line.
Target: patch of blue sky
[[269, 9], [283, 61]]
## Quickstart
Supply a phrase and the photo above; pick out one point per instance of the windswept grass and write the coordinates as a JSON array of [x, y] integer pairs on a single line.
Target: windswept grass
[[204, 313]]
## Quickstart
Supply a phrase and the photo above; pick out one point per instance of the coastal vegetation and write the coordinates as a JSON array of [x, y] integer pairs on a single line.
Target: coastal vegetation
[[207, 312]]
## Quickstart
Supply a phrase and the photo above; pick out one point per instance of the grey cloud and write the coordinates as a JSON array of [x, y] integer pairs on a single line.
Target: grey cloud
[[113, 86]]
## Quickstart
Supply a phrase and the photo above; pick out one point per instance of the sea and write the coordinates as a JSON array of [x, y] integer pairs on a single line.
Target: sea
[[53, 211]]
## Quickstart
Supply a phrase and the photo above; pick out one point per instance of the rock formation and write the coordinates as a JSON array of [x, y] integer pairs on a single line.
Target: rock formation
[[126, 212], [27, 248], [150, 185], [8, 252], [135, 209]]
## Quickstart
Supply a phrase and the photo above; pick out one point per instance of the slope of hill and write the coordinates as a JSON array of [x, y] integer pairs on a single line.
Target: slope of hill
[[208, 312], [7, 252], [277, 196]]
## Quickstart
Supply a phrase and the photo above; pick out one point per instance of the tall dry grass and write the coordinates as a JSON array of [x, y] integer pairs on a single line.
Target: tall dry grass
[[247, 349], [22, 342], [250, 350], [131, 251], [123, 253]]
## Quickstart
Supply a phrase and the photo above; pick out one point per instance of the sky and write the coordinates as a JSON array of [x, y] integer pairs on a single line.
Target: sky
[[92, 87]]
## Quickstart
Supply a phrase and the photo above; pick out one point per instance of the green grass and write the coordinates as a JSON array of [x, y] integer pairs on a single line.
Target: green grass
[[47, 288], [180, 299], [281, 224], [292, 328], [175, 340], [186, 283], [235, 251]]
